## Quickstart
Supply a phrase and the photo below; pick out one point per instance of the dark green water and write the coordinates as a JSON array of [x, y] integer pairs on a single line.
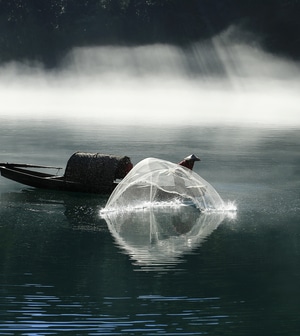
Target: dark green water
[[62, 272]]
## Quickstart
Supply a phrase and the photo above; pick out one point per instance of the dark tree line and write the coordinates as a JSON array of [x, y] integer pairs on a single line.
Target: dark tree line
[[46, 29]]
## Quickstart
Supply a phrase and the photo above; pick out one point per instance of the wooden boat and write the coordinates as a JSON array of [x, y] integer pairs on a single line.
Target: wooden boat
[[85, 172]]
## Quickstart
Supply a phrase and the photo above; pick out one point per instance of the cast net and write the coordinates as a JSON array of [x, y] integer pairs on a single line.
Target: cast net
[[154, 182]]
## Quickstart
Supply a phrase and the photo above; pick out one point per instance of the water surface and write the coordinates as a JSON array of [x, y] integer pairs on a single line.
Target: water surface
[[63, 272]]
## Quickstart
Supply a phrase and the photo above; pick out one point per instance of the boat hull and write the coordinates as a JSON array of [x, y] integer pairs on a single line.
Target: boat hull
[[47, 181]]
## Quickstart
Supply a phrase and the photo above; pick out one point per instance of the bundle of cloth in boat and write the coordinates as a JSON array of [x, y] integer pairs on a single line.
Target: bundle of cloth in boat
[[96, 171]]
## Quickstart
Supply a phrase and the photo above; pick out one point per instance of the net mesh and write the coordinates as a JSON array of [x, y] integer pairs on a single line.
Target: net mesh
[[154, 182]]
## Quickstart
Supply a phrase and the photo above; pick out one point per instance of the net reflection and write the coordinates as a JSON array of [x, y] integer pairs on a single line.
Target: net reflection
[[157, 239]]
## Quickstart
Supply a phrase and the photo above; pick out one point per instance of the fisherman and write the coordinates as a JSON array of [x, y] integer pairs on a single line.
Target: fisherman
[[123, 168], [189, 161]]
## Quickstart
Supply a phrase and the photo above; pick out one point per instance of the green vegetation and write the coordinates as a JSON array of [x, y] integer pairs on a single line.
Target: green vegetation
[[45, 30]]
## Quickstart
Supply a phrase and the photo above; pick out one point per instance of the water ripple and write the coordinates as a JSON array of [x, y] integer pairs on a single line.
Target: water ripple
[[43, 314]]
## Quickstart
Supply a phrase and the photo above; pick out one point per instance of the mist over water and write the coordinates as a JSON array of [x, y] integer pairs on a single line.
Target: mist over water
[[217, 82], [66, 269]]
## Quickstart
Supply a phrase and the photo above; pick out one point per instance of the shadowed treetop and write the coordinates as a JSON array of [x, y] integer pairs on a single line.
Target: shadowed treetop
[[45, 30]]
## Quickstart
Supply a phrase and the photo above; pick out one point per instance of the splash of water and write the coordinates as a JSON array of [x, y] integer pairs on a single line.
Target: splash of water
[[155, 183], [229, 208], [154, 216]]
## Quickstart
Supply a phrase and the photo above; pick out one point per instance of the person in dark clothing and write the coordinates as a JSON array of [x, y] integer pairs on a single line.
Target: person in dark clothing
[[189, 161]]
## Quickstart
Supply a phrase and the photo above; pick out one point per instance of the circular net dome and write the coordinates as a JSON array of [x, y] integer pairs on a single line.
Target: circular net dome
[[154, 182]]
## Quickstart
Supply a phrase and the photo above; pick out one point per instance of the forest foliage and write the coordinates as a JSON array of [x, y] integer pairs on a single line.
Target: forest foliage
[[45, 30]]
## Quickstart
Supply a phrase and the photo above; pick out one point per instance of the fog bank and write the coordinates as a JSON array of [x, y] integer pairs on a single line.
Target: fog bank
[[210, 83]]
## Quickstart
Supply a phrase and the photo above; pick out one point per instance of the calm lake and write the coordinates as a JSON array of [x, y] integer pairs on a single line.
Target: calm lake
[[64, 269], [63, 272]]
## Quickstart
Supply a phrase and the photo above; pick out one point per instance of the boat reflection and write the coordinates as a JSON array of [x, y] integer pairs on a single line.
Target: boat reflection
[[159, 238], [154, 238]]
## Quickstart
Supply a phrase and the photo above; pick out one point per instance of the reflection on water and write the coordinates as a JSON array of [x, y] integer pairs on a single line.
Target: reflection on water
[[62, 274], [159, 238], [40, 312], [61, 270]]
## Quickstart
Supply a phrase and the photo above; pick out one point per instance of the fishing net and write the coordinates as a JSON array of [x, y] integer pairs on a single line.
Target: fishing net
[[154, 182]]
